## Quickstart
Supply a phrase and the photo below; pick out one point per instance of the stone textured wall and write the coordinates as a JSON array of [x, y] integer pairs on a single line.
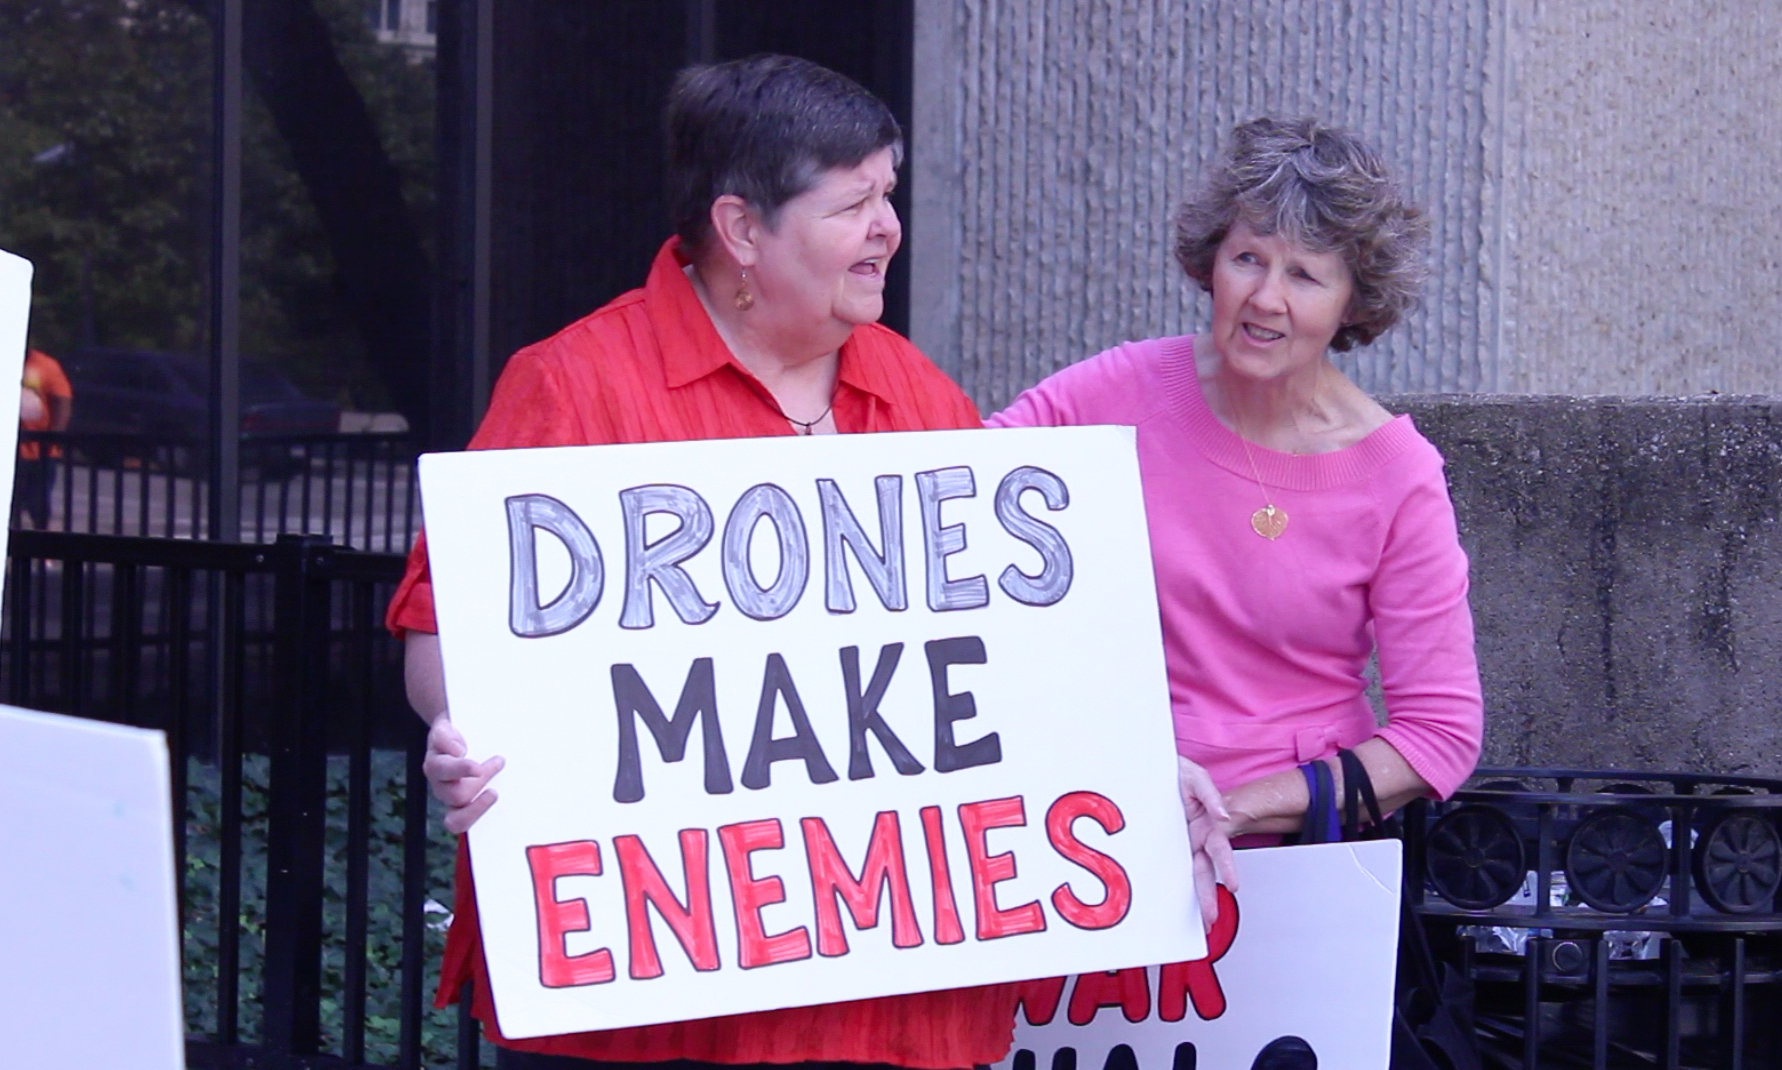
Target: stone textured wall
[[1627, 576], [1605, 180], [1643, 147]]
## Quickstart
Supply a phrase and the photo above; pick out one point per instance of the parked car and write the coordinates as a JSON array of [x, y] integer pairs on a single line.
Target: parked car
[[166, 396], [162, 401]]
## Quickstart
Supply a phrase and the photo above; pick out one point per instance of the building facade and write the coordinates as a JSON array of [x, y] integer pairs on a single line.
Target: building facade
[[1604, 181]]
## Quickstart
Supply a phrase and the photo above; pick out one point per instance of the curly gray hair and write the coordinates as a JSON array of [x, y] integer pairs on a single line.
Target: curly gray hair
[[1324, 188]]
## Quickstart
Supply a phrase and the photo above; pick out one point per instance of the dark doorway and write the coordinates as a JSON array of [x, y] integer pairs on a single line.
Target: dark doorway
[[578, 92]]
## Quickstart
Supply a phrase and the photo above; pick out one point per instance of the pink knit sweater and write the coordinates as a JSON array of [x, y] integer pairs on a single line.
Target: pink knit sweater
[[1267, 642]]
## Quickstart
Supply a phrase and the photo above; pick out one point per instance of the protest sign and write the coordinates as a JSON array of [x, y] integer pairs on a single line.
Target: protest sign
[[799, 720], [15, 315], [1299, 965], [88, 915]]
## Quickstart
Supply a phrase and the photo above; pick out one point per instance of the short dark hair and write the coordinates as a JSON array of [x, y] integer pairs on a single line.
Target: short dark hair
[[763, 129], [1325, 188]]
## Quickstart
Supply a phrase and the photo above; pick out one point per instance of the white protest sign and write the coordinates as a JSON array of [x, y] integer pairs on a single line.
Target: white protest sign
[[1300, 965], [885, 713], [88, 915], [15, 315]]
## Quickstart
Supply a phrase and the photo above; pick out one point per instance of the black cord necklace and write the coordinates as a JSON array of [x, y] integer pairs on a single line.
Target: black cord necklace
[[804, 427]]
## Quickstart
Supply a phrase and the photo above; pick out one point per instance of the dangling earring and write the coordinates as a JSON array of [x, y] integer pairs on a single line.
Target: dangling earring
[[745, 297]]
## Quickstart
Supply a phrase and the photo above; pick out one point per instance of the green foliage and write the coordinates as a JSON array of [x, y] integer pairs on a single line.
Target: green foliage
[[292, 317], [118, 221], [383, 971]]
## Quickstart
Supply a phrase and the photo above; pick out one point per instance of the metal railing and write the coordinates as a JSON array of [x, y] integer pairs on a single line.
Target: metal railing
[[308, 875], [356, 489], [1609, 919]]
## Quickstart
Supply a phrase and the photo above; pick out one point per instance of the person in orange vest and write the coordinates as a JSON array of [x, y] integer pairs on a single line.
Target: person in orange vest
[[46, 403]]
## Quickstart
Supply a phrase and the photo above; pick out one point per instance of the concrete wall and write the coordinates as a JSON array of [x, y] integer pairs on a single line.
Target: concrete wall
[[1605, 179], [1627, 576], [1643, 178]]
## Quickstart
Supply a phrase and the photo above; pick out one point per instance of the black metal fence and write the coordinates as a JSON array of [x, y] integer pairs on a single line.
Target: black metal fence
[[359, 490], [1609, 919], [311, 889]]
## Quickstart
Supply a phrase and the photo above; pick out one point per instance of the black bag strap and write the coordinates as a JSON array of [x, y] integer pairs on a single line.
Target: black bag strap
[[1357, 785]]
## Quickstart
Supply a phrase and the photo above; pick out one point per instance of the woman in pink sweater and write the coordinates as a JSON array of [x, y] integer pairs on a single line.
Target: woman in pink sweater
[[1297, 528]]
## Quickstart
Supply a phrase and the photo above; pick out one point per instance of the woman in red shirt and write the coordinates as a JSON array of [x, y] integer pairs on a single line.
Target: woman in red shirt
[[759, 317]]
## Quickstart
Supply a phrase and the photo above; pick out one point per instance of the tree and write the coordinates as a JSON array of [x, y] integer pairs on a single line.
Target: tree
[[337, 186]]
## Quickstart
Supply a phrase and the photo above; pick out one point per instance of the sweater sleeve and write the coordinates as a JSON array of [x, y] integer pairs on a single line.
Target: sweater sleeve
[[1423, 632], [1116, 386]]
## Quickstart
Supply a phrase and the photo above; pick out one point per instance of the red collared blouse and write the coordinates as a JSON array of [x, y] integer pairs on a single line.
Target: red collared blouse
[[650, 367]]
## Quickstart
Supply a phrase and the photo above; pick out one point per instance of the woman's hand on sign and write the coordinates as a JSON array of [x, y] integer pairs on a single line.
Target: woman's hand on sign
[[1208, 831], [462, 784], [459, 782]]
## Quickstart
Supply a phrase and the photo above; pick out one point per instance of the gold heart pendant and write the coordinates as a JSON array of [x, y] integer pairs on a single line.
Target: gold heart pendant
[[1269, 522]]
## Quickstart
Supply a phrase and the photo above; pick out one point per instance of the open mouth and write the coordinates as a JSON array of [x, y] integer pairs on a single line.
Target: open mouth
[[1261, 334], [871, 267]]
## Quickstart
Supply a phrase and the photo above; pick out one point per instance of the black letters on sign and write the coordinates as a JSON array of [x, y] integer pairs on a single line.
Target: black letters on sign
[[863, 713], [764, 750], [698, 702], [1053, 581], [948, 707], [660, 561], [527, 616]]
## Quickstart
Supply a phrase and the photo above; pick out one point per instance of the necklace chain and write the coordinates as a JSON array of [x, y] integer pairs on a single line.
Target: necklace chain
[[1268, 521], [802, 427]]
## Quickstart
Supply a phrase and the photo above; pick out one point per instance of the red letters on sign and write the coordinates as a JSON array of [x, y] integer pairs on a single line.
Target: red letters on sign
[[1038, 1000], [1059, 819], [946, 909], [830, 877], [559, 917], [644, 887], [841, 896], [988, 870], [1184, 981], [1130, 990], [754, 946]]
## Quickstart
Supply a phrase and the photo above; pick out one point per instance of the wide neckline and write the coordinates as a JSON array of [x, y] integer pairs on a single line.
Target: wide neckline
[[1291, 471]]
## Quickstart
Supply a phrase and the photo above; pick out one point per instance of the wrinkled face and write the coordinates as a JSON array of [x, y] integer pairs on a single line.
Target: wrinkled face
[[824, 262], [1276, 304]]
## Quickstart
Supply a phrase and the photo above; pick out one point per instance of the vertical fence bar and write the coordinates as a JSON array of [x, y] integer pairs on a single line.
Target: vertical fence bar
[[176, 596], [1599, 1025], [144, 483], [1544, 851], [297, 800], [1673, 1002], [414, 890], [67, 493], [22, 592], [73, 626], [389, 485], [92, 497], [228, 593], [359, 677], [304, 506], [328, 452], [1682, 872], [1531, 1004], [470, 1040], [225, 277], [117, 499], [125, 640], [1735, 1058]]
